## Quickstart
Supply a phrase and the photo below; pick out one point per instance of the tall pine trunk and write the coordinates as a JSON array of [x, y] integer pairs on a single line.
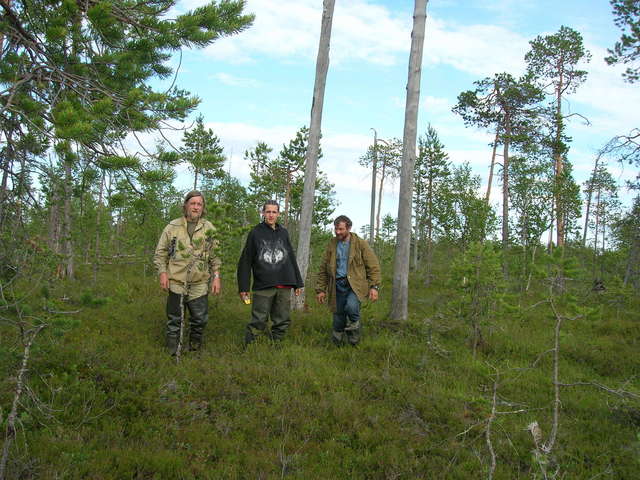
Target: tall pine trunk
[[7, 165], [400, 289], [491, 167], [505, 189], [67, 243], [374, 172], [97, 240], [311, 161], [589, 195], [559, 167], [382, 176]]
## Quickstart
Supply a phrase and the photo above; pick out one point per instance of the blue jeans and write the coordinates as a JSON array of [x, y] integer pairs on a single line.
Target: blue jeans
[[346, 320]]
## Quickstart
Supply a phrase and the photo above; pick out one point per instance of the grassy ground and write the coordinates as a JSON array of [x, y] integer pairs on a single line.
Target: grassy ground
[[106, 401]]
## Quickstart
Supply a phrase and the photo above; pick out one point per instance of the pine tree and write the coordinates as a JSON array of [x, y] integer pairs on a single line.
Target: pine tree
[[432, 170], [507, 106], [79, 73], [203, 152], [627, 49], [553, 62]]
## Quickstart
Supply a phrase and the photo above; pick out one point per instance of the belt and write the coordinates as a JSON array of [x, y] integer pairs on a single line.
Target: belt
[[340, 278]]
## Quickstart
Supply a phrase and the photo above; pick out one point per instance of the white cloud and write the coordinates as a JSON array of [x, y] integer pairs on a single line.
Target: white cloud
[[234, 81], [614, 100], [435, 106], [480, 50], [371, 33]]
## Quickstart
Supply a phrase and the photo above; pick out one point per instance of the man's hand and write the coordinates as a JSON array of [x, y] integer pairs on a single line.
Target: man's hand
[[164, 281], [216, 286], [321, 297], [373, 294], [297, 291]]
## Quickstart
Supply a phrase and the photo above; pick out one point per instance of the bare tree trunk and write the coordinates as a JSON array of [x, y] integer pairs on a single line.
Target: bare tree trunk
[[416, 237], [67, 268], [311, 161], [429, 252], [7, 165], [550, 239], [10, 432], [98, 218], [597, 231], [493, 163], [286, 202], [559, 167], [400, 289], [631, 272], [589, 195], [382, 176], [505, 189], [373, 187], [54, 218]]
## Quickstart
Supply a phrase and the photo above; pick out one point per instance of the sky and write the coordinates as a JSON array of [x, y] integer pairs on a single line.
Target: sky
[[258, 85]]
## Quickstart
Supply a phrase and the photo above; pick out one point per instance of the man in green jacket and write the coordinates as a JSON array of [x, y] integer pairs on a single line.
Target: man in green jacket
[[349, 273], [186, 264]]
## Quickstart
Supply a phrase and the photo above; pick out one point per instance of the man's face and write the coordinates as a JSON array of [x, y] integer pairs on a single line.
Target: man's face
[[271, 214], [194, 208], [342, 231]]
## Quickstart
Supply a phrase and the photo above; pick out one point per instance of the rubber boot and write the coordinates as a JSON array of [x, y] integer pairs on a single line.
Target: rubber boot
[[172, 345]]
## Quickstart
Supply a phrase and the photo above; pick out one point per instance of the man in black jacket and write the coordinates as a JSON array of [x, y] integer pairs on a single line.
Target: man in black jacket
[[269, 256]]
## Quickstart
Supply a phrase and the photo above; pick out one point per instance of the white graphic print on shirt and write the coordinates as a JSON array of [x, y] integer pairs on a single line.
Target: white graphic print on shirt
[[272, 253]]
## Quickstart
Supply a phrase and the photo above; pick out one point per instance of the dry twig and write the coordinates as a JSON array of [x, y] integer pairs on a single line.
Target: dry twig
[[10, 432]]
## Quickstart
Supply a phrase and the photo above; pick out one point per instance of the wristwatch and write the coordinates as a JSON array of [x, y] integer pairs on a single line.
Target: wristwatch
[[375, 287]]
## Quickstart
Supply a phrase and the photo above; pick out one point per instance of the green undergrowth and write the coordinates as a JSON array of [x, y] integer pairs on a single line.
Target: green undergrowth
[[105, 401]]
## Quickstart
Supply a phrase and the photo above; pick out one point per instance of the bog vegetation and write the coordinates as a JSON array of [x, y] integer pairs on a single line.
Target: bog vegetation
[[518, 355]]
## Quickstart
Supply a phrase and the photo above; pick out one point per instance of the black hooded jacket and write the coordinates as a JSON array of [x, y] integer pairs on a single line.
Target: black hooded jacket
[[269, 255]]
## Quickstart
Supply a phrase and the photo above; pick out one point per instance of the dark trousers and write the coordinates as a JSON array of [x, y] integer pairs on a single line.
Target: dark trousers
[[346, 319], [198, 316], [274, 303]]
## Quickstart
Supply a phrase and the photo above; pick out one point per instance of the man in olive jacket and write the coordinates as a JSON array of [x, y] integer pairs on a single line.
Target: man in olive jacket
[[186, 262], [349, 273]]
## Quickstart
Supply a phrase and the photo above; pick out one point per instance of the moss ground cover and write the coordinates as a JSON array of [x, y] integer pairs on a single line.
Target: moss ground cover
[[106, 401]]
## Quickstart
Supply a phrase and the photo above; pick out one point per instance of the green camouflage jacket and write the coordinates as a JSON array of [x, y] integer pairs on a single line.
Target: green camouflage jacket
[[187, 260]]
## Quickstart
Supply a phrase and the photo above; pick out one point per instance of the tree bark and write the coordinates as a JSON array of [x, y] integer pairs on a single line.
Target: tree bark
[[10, 432], [373, 187], [311, 161], [505, 188], [67, 268], [493, 162], [400, 289], [588, 208], [7, 165], [98, 218], [559, 167]]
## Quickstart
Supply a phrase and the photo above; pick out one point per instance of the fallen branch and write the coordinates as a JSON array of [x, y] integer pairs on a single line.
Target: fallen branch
[[619, 392], [490, 420], [10, 432], [61, 312]]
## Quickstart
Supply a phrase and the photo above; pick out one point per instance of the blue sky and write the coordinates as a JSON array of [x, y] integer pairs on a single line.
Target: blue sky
[[257, 86]]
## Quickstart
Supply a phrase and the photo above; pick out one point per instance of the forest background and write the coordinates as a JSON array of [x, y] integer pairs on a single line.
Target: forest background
[[511, 289]]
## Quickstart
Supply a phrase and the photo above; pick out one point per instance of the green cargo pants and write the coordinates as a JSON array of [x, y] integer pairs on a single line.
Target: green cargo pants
[[198, 316], [271, 303]]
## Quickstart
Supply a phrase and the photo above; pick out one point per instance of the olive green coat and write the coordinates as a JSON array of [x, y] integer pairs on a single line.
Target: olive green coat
[[187, 261], [363, 270]]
